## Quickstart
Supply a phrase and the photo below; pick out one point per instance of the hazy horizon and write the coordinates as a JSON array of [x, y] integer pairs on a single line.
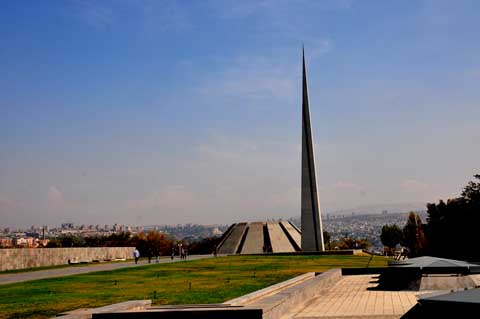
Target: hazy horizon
[[377, 209], [152, 112]]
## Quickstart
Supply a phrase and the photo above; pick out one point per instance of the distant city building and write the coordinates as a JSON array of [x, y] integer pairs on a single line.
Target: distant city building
[[6, 242], [67, 226], [216, 232], [24, 242]]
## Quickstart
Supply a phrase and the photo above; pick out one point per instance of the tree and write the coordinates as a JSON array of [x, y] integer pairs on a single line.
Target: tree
[[94, 241], [158, 243], [350, 243], [116, 240], [391, 236], [326, 239], [203, 246], [471, 192], [152, 244], [452, 227], [54, 243], [71, 241], [413, 235]]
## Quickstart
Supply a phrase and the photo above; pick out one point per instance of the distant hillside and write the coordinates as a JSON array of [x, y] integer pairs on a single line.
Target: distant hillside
[[379, 209]]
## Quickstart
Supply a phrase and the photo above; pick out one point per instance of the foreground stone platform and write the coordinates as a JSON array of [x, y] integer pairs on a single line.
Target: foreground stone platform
[[86, 313], [355, 297], [326, 295], [335, 294]]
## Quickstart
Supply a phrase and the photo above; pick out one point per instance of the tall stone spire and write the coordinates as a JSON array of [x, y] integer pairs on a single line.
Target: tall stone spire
[[312, 235]]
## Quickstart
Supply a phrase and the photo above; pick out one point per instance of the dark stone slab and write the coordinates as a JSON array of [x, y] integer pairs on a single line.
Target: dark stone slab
[[186, 313], [466, 296], [461, 304]]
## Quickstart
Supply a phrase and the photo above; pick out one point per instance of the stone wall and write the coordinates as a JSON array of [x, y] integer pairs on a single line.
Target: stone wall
[[38, 257]]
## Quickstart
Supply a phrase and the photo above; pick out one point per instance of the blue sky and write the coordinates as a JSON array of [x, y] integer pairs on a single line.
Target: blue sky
[[153, 112]]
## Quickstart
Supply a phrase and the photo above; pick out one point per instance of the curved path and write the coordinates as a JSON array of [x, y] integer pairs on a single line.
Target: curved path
[[68, 271]]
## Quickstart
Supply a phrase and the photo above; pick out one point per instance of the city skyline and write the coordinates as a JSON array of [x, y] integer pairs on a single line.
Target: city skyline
[[168, 113]]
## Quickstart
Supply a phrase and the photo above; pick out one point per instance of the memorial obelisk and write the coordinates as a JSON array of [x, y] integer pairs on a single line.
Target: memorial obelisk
[[312, 235]]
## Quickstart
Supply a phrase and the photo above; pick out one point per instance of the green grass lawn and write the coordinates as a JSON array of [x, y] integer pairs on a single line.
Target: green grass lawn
[[210, 280], [16, 271]]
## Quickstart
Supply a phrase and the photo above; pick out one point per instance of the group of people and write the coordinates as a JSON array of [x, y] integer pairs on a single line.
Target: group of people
[[136, 256], [183, 255]]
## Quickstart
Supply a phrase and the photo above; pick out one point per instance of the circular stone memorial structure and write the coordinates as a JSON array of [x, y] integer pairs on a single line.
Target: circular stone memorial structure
[[260, 237]]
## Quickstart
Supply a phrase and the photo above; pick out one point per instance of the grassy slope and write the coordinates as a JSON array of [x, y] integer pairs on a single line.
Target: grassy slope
[[16, 271], [212, 281]]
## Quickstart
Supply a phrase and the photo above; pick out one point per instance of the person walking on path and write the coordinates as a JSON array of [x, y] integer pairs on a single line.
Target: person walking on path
[[136, 255]]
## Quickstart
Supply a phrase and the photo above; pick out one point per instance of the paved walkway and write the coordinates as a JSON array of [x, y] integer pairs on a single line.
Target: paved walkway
[[68, 271], [352, 297]]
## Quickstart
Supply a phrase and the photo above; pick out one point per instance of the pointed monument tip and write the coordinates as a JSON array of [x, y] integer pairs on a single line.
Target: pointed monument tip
[[303, 59]]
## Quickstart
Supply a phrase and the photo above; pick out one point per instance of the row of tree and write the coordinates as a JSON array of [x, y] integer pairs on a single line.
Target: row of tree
[[344, 243], [451, 230], [411, 236], [151, 244], [453, 227], [123, 239]]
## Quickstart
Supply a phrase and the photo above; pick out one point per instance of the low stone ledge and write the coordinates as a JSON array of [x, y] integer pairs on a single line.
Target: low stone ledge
[[87, 313], [342, 252], [23, 258], [262, 293], [283, 302], [363, 271], [187, 313]]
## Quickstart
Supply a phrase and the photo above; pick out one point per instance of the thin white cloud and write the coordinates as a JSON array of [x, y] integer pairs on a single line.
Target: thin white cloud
[[345, 185], [244, 151], [473, 73], [253, 78], [5, 202], [227, 151], [318, 47], [242, 9], [162, 16], [288, 199], [412, 185], [171, 196], [94, 13], [150, 16], [55, 196]]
